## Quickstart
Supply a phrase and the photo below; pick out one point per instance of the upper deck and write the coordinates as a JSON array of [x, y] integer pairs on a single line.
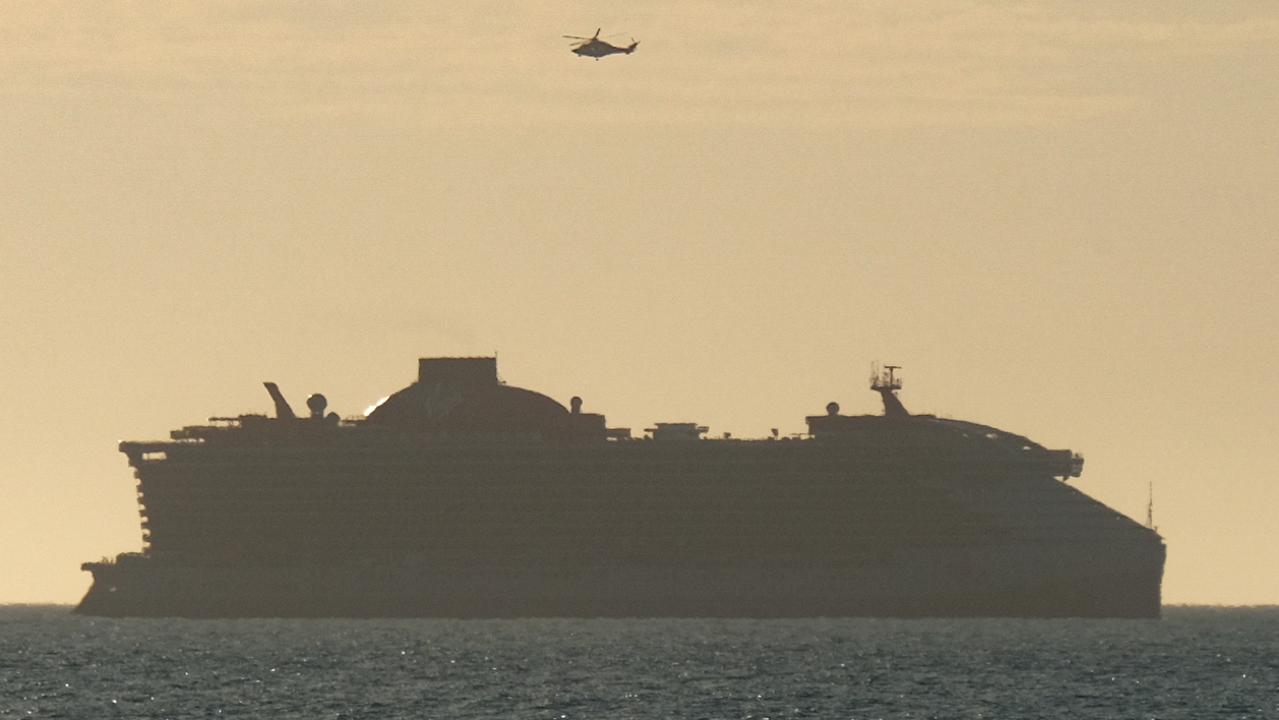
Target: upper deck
[[459, 402]]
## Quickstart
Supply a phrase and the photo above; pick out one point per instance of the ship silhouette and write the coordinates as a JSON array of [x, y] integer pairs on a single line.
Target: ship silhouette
[[461, 496]]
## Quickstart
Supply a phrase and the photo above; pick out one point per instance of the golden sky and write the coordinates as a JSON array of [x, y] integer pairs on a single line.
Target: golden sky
[[1060, 218]]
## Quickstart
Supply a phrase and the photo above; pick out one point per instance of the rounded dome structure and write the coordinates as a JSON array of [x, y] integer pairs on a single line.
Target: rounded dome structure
[[463, 396]]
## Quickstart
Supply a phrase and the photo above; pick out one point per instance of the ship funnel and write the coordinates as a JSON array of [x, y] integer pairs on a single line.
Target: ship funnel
[[465, 371], [282, 409]]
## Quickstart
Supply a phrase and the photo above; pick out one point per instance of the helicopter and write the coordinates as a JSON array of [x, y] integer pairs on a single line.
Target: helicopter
[[594, 47]]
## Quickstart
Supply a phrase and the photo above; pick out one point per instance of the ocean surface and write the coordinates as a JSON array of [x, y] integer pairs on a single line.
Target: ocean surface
[[1195, 663]]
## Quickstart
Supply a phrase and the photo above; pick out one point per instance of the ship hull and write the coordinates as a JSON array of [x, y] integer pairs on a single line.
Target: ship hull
[[895, 526], [992, 581]]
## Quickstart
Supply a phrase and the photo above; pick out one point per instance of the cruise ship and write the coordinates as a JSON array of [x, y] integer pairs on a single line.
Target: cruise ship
[[461, 496]]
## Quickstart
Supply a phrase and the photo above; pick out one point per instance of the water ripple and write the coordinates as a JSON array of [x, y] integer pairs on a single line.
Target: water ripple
[[1200, 663]]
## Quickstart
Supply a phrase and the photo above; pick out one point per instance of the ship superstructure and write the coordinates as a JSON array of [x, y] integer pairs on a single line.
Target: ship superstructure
[[461, 496]]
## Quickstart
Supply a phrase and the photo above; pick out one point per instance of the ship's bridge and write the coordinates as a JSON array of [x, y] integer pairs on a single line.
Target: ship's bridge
[[898, 426]]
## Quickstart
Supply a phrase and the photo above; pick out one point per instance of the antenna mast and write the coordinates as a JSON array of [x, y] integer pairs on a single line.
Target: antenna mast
[[886, 383], [1150, 506]]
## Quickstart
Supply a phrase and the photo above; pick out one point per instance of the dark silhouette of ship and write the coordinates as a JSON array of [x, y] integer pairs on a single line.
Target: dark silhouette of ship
[[461, 496]]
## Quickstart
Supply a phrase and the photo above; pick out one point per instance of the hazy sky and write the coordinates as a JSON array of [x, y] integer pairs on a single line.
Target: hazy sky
[[1060, 217]]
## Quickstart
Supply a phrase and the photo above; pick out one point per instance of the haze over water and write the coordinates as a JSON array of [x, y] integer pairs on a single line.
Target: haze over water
[[1059, 218]]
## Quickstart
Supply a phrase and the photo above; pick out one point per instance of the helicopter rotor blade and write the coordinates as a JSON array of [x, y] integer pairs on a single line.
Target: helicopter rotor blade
[[575, 37]]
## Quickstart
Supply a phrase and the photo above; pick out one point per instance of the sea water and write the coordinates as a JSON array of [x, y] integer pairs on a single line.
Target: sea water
[[1194, 663]]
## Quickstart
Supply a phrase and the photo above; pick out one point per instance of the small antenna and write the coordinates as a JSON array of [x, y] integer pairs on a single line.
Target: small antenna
[[1150, 507]]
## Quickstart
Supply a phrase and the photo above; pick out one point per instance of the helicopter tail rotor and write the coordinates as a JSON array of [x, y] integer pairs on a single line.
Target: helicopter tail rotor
[[631, 48]]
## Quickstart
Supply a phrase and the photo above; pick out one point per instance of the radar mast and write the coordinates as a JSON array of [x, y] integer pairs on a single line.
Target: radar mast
[[885, 382]]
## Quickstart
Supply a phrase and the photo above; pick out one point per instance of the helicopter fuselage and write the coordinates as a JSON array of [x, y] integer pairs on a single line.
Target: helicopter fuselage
[[598, 49]]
